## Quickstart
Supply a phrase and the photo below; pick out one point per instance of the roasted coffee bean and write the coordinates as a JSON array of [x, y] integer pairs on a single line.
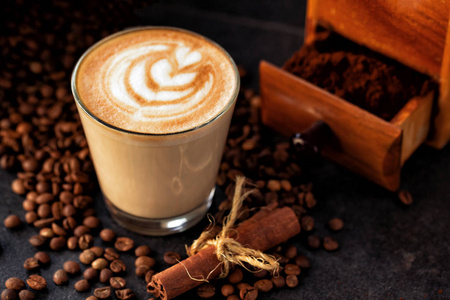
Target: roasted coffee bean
[[36, 282], [91, 222], [111, 254], [405, 197], [31, 264], [108, 235], [66, 197], [227, 290], [291, 269], [17, 186], [117, 266], [81, 230], [85, 241], [44, 198], [30, 164], [15, 283], [171, 258], [82, 285], [69, 210], [264, 285], [87, 257], [72, 243], [30, 217], [71, 267], [47, 233], [42, 257], [9, 294], [274, 185], [43, 222], [102, 292], [206, 290], [105, 275], [58, 243], [142, 251], [235, 276], [233, 297], [42, 187], [278, 281], [98, 251], [149, 276], [124, 244], [307, 223], [28, 205], [37, 240], [57, 208], [12, 221], [302, 261], [291, 281], [58, 230], [314, 241], [60, 277], [125, 294], [43, 211], [117, 283], [90, 274], [26, 295], [69, 223], [91, 298], [291, 252], [100, 263], [145, 260], [330, 244], [336, 224], [140, 271], [248, 293], [260, 274]]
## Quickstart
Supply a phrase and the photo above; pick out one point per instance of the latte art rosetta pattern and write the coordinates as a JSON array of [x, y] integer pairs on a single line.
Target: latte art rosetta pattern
[[156, 81]]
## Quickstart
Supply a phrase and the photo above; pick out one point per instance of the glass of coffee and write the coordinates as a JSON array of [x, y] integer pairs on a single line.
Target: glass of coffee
[[156, 104]]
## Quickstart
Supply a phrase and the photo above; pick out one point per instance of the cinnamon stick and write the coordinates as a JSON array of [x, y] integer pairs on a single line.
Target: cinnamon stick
[[263, 231]]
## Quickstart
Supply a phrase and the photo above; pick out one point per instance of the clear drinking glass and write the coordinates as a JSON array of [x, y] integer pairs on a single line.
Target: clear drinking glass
[[156, 184]]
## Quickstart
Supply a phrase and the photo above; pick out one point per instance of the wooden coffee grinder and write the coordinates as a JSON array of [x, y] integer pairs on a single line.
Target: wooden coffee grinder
[[416, 34]]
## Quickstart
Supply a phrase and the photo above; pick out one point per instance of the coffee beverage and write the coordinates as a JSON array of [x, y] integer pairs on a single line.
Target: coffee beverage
[[156, 81], [156, 104]]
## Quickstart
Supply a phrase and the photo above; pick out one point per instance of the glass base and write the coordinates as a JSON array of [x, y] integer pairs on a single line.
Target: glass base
[[159, 227]]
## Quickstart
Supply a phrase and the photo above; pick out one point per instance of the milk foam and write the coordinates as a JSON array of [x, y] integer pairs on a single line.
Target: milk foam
[[156, 81]]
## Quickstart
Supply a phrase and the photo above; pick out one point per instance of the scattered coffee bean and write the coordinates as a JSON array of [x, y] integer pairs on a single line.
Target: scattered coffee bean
[[9, 294], [105, 275], [405, 197], [17, 187], [248, 293], [103, 292], [87, 257], [31, 217], [149, 276], [37, 240], [314, 241], [125, 294], [307, 223], [99, 263], [260, 274], [91, 298], [235, 276], [117, 283], [233, 297], [172, 258], [227, 290], [117, 266], [279, 281], [330, 244], [108, 235], [98, 251], [27, 295], [85, 241], [47, 233], [36, 282], [111, 254], [90, 274], [124, 244], [12, 221], [140, 271], [72, 243], [71, 267], [60, 277], [81, 230], [15, 283], [31, 264], [264, 285], [206, 290], [336, 224], [291, 269], [142, 251], [291, 281], [145, 261], [82, 285], [58, 243], [91, 222], [302, 261]]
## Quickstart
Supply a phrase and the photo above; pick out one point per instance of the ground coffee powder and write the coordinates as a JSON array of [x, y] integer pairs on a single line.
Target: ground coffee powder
[[365, 78]]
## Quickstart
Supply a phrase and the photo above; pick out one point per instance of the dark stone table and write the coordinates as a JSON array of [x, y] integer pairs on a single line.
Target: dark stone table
[[388, 250]]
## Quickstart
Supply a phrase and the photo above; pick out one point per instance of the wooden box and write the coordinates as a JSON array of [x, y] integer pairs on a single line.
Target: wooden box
[[413, 33]]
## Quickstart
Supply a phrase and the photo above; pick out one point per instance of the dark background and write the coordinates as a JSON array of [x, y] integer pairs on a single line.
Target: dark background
[[388, 250]]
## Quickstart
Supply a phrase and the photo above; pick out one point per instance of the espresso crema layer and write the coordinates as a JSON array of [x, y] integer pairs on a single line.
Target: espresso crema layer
[[156, 81]]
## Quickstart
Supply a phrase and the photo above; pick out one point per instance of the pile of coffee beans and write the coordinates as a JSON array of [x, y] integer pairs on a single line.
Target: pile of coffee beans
[[42, 141]]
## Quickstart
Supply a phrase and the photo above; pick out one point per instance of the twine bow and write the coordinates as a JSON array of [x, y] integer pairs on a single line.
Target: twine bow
[[228, 250]]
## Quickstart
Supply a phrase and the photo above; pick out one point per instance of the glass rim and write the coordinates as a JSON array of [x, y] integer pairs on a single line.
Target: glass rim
[[90, 114]]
